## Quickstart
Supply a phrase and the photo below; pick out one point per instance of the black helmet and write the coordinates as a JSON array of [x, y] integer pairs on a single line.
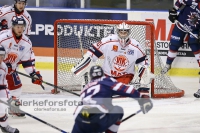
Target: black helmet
[[96, 72], [20, 1], [18, 20]]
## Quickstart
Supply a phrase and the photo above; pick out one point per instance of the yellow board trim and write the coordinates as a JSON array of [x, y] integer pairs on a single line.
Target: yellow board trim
[[187, 72]]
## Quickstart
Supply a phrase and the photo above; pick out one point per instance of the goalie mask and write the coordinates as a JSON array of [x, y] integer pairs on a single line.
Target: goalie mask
[[123, 31], [96, 72]]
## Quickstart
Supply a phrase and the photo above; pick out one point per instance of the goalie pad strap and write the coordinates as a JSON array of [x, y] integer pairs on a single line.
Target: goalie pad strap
[[81, 67], [141, 71]]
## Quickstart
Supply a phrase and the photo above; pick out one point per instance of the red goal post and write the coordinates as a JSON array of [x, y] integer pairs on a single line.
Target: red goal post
[[67, 51]]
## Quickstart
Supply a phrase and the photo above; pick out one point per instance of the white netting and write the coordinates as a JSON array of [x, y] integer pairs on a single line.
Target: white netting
[[69, 52]]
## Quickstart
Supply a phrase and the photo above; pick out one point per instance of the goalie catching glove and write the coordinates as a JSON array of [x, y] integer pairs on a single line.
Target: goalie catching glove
[[144, 101], [37, 78]]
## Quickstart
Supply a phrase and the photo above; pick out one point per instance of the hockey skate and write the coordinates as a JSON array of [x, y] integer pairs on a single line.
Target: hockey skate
[[166, 69], [14, 109], [9, 129], [197, 94]]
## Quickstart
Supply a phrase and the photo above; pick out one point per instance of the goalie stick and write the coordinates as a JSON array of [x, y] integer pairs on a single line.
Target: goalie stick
[[36, 118], [81, 46]]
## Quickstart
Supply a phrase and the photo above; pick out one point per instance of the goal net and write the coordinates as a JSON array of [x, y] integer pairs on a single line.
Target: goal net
[[68, 51]]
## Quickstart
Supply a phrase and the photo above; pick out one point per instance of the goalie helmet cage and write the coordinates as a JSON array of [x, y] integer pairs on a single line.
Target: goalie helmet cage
[[67, 51]]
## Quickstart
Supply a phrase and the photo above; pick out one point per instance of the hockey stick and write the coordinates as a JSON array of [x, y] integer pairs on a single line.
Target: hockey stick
[[42, 87], [81, 46], [128, 117], [187, 30], [48, 83], [36, 118]]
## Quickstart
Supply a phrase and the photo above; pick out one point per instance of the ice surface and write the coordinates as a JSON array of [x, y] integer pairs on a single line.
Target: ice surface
[[180, 115]]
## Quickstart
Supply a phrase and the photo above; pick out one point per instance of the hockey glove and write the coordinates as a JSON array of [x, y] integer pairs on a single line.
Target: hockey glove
[[172, 15], [38, 76], [3, 25], [144, 101]]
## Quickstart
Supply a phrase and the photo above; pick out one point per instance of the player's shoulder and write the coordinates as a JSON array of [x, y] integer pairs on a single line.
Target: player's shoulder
[[110, 38], [26, 14], [5, 34], [27, 40], [6, 9], [135, 44]]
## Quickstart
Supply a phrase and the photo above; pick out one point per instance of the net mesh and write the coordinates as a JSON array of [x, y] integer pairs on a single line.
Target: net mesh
[[68, 52]]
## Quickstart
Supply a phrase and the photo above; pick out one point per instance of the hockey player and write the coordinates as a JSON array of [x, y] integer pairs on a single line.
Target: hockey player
[[121, 54], [5, 128], [18, 9], [189, 17], [97, 113], [18, 48], [3, 25]]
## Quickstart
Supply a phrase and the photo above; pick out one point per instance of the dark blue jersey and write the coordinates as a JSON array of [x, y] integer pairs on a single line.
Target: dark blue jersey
[[189, 16], [100, 92]]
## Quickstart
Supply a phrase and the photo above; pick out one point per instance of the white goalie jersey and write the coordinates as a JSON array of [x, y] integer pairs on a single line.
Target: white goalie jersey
[[118, 60]]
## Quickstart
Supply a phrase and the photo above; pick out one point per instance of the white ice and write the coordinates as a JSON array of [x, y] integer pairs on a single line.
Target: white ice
[[179, 115]]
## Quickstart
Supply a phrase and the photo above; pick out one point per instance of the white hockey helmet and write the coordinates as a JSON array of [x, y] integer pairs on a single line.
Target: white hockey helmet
[[123, 31]]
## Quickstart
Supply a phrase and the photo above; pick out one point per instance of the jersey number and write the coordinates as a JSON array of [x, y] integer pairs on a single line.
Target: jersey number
[[87, 94]]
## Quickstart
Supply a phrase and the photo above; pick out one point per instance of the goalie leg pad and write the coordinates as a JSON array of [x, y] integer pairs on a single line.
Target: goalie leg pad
[[81, 67]]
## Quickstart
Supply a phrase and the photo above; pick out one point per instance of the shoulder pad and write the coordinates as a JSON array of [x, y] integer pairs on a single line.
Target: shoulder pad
[[27, 14], [6, 9], [134, 42], [4, 34], [111, 37]]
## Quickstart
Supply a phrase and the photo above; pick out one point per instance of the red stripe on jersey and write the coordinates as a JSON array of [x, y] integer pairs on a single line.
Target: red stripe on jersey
[[170, 57], [138, 48], [132, 91], [126, 89], [114, 85], [106, 43], [28, 24], [197, 52], [120, 87], [6, 39], [26, 41], [7, 13], [3, 70]]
